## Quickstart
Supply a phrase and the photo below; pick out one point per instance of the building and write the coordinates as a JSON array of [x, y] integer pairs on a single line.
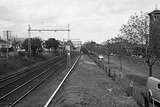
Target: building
[[4, 44], [154, 32]]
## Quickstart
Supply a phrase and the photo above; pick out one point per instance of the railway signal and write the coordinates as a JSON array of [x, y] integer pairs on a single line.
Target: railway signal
[[68, 48]]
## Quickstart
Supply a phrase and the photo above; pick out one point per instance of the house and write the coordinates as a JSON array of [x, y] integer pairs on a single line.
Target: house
[[4, 44]]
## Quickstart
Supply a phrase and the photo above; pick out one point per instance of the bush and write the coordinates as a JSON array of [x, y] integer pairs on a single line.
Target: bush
[[11, 49], [21, 53], [4, 50]]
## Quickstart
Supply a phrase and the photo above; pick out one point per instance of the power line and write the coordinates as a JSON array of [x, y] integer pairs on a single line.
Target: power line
[[44, 30]]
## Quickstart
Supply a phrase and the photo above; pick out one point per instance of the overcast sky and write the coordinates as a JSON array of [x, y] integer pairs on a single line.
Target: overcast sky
[[89, 19]]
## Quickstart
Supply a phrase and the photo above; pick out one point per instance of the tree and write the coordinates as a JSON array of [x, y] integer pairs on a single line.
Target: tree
[[36, 46], [91, 46], [136, 31], [52, 43], [117, 46]]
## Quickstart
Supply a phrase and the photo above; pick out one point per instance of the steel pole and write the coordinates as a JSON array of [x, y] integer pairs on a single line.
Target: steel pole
[[29, 40]]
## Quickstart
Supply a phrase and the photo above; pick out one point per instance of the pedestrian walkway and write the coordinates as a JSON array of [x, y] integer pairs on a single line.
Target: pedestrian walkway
[[89, 86]]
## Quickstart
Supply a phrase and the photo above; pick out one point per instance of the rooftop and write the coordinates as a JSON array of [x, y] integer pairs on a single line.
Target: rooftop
[[3, 41], [155, 12]]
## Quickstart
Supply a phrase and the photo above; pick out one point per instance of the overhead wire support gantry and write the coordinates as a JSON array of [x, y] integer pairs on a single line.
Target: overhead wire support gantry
[[45, 30]]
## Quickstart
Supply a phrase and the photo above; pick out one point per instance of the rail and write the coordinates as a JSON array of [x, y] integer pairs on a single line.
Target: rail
[[59, 86]]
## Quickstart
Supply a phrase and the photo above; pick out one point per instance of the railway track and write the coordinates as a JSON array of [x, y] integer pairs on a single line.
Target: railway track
[[26, 69], [16, 87], [50, 100], [31, 72]]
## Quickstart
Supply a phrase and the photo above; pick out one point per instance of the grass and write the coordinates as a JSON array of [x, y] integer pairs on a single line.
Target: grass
[[121, 92], [18, 62], [139, 86], [135, 72], [137, 79]]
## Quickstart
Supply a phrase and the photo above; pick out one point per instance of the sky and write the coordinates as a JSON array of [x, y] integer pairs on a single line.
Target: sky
[[90, 20]]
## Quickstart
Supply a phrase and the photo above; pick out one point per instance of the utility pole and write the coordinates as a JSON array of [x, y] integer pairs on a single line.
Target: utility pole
[[7, 34], [109, 70], [120, 53], [108, 46], [69, 50], [108, 53], [29, 40], [7, 38], [68, 32]]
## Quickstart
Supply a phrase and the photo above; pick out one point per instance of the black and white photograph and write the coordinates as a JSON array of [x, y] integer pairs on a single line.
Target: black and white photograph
[[79, 53]]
